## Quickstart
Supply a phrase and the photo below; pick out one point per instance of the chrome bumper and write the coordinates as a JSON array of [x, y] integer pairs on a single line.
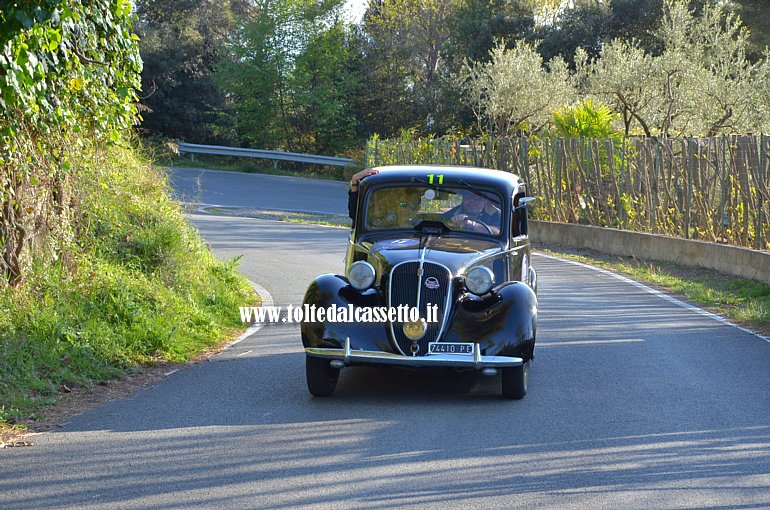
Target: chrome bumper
[[477, 361]]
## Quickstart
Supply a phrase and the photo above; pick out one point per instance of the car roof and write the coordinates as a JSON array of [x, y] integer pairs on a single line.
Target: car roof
[[508, 182]]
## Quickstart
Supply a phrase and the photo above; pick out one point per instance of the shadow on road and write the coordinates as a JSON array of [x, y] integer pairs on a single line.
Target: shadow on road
[[631, 400], [396, 437]]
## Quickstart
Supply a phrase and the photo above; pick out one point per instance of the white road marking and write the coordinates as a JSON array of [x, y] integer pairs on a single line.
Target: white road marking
[[267, 300]]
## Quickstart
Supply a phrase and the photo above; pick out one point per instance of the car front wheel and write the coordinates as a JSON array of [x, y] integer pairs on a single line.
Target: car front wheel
[[515, 380], [321, 377]]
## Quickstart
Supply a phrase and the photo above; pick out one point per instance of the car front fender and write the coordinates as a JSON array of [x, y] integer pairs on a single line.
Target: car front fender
[[330, 291], [503, 323]]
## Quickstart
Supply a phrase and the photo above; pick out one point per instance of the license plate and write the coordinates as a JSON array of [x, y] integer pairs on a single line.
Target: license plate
[[450, 348]]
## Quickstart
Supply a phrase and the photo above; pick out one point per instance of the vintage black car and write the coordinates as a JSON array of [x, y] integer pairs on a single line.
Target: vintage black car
[[450, 242]]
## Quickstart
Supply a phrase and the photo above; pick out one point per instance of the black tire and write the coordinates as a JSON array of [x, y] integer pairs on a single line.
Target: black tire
[[321, 377], [515, 380]]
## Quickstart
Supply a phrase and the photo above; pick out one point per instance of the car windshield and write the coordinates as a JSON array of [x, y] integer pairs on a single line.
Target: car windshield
[[460, 209]]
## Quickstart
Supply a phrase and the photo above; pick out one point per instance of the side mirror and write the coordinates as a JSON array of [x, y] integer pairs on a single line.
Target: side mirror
[[524, 203], [521, 227]]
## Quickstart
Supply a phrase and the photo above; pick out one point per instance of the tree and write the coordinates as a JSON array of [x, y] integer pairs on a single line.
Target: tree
[[180, 48], [756, 16], [760, 108], [515, 90], [286, 73], [476, 26], [251, 75], [589, 24], [700, 83], [703, 74], [621, 77], [380, 68], [322, 81], [408, 39], [697, 82], [635, 20], [582, 26]]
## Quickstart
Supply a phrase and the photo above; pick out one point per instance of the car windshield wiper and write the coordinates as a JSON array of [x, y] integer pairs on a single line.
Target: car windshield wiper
[[495, 200], [423, 181]]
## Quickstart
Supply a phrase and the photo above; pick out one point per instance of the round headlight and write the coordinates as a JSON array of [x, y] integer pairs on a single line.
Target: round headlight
[[414, 330], [361, 275], [479, 280]]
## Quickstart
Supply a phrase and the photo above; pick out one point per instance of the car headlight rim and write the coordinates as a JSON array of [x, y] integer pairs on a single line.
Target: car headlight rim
[[480, 280], [361, 275]]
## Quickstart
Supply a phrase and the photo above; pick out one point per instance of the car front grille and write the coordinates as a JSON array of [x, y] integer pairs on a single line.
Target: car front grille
[[404, 283]]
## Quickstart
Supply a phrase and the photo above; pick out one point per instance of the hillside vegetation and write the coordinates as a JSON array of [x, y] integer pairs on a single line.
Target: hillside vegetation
[[99, 271]]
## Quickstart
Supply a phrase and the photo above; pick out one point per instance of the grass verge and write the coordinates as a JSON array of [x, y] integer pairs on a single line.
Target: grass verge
[[134, 285], [746, 302]]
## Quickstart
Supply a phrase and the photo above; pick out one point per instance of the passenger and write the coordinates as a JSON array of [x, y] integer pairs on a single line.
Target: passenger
[[353, 193]]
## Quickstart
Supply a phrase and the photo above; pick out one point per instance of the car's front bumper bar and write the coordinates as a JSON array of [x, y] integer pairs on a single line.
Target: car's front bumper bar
[[351, 357]]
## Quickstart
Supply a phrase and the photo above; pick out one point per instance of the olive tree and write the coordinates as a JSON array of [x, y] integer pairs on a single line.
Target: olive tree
[[621, 78], [700, 84], [703, 75], [515, 89], [759, 111]]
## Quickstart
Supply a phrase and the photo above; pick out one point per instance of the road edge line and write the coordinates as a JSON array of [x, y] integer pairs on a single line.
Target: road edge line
[[662, 295], [267, 300]]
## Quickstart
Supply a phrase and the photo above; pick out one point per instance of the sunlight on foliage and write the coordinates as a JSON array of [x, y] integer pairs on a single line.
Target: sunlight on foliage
[[587, 119]]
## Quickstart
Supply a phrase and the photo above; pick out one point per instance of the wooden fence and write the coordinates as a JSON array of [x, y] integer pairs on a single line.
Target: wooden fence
[[713, 189]]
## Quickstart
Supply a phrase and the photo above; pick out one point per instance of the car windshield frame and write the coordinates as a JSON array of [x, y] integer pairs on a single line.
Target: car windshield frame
[[455, 188]]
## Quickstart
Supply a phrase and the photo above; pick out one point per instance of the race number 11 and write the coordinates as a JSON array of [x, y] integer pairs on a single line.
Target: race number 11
[[440, 178]]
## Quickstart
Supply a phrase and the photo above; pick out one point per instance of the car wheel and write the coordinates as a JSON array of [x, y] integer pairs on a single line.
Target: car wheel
[[321, 377], [515, 381]]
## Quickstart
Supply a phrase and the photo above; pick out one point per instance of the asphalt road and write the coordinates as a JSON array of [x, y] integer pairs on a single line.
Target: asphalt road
[[634, 402], [259, 191]]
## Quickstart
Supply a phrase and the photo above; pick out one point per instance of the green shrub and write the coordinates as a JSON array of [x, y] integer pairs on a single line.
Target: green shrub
[[586, 119]]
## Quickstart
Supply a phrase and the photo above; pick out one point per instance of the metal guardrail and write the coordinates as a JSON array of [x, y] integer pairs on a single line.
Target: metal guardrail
[[220, 150]]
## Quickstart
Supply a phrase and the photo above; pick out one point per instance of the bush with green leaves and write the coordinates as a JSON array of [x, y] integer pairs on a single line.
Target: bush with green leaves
[[69, 71], [68, 64], [586, 119]]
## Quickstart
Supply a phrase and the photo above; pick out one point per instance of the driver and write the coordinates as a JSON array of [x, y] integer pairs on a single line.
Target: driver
[[475, 214]]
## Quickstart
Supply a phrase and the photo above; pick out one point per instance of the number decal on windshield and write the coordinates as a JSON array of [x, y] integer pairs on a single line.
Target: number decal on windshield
[[440, 178]]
